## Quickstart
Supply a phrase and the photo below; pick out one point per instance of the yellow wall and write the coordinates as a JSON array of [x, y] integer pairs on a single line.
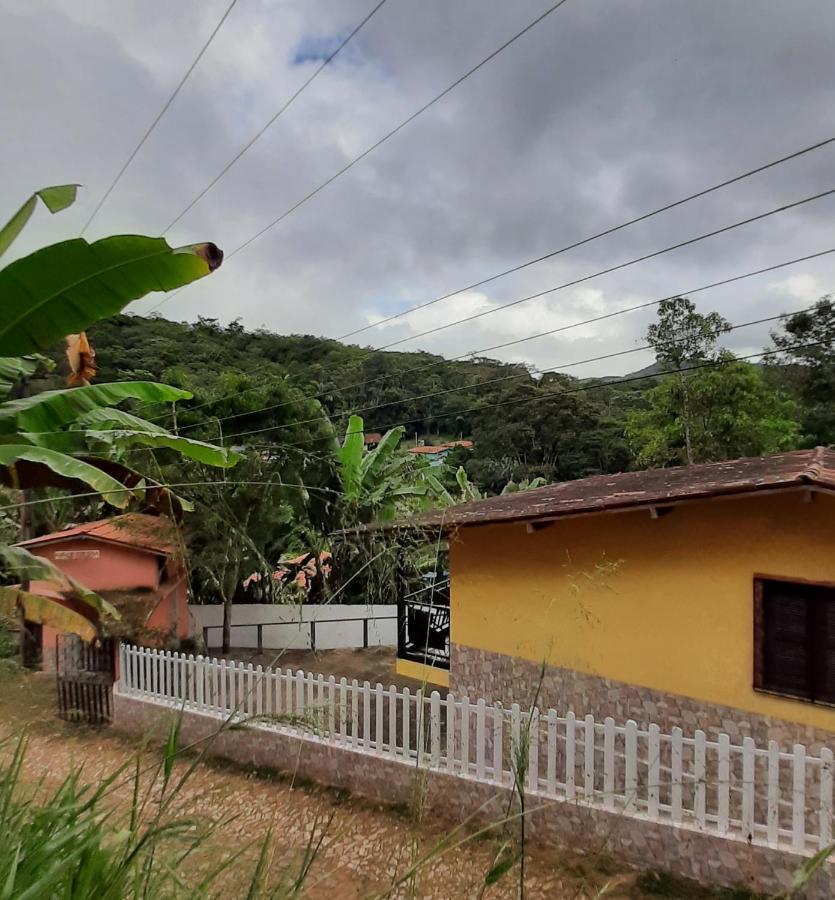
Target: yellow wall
[[664, 603], [429, 674]]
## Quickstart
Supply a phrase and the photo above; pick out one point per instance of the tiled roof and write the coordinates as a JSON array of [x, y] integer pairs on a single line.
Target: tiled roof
[[439, 449], [157, 534], [648, 487]]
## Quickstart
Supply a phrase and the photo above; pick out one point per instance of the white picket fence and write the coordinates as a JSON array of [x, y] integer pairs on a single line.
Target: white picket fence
[[759, 794]]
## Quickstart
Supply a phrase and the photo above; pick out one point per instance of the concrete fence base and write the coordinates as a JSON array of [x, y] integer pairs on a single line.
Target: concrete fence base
[[456, 799]]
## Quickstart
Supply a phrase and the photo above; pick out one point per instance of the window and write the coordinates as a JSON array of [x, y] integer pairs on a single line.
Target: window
[[794, 639]]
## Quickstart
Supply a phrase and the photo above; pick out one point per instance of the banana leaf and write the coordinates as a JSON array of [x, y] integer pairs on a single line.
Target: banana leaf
[[65, 287], [46, 611], [12, 369], [208, 454], [55, 198], [30, 467], [24, 564], [53, 410]]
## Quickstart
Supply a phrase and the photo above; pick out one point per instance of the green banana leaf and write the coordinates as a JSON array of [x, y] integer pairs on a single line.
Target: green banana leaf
[[28, 466], [53, 410], [46, 611], [350, 455], [55, 198], [63, 288], [26, 565], [208, 454]]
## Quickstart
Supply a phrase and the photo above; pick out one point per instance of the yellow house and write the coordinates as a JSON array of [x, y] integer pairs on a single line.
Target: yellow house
[[699, 596]]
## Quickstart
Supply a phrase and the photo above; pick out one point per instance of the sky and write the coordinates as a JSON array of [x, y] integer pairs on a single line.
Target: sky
[[600, 113]]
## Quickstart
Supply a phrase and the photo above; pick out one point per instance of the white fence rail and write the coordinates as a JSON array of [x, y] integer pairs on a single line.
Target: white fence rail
[[760, 794]]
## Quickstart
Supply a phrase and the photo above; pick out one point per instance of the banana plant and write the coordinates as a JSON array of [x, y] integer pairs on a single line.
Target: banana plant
[[76, 438], [375, 482]]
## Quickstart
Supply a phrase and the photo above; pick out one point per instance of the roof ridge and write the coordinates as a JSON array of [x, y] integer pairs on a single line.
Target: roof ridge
[[816, 464]]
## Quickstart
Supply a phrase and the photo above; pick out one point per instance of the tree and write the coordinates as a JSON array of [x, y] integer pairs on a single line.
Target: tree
[[731, 412], [808, 345], [74, 438], [682, 337]]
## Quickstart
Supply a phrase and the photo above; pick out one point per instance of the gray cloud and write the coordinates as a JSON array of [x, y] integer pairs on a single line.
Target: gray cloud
[[602, 112]]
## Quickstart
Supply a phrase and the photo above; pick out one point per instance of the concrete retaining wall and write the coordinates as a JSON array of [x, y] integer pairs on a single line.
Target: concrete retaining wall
[[331, 634], [681, 850]]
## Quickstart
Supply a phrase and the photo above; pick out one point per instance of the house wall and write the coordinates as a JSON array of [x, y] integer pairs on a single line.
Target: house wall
[[171, 615], [615, 602], [115, 567]]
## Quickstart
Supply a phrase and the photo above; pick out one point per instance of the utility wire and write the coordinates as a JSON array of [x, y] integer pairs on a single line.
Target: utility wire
[[515, 342], [624, 265], [608, 383], [594, 237], [348, 166], [512, 377], [271, 121], [157, 120]]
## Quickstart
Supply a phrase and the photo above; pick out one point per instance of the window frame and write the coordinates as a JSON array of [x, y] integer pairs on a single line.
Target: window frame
[[760, 639]]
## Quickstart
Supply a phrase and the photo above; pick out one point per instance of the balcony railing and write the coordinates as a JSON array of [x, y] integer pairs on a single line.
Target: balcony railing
[[423, 630]]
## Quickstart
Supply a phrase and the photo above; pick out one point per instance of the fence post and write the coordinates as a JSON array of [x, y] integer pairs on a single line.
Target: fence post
[[206, 636], [675, 772], [724, 786], [700, 787], [799, 798], [748, 748], [365, 634], [259, 636], [825, 830], [435, 728], [200, 682], [312, 634], [609, 762], [479, 739], [123, 680], [570, 750]]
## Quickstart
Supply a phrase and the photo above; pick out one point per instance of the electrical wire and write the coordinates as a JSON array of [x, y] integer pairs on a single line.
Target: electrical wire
[[594, 237], [272, 120], [157, 120], [390, 134], [515, 342], [527, 373], [624, 265]]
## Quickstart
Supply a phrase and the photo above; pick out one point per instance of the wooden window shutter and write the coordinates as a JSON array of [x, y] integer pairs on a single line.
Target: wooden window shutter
[[825, 646], [759, 635], [788, 615]]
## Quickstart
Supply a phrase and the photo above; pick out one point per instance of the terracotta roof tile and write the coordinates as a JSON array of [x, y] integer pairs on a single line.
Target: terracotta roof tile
[[156, 534]]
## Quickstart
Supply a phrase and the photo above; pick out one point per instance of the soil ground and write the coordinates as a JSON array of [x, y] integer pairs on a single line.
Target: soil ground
[[366, 845]]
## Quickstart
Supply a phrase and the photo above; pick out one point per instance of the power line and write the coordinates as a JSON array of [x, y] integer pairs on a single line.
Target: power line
[[348, 166], [157, 120], [504, 378], [271, 121], [587, 240], [610, 269], [609, 383], [515, 342]]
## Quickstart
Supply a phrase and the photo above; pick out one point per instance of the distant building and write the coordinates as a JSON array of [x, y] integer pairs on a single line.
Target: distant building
[[371, 439], [134, 562], [435, 455]]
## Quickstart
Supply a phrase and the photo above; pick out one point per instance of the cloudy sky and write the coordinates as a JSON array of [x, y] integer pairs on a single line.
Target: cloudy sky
[[603, 111]]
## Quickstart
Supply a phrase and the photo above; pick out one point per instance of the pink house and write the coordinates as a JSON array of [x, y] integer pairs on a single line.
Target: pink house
[[134, 562]]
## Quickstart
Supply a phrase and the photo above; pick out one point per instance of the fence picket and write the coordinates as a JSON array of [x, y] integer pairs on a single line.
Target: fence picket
[[699, 785], [515, 738], [799, 798], [551, 773], [420, 724], [435, 728], [300, 709], [498, 723], [773, 814], [366, 714], [393, 720], [355, 717], [630, 764], [609, 762], [748, 747], [310, 705], [320, 704], [653, 770], [465, 735], [289, 705], [378, 718], [588, 757], [825, 823], [222, 675], [533, 750], [343, 708], [479, 738], [331, 707], [259, 691], [570, 749], [450, 731], [407, 712], [724, 786], [675, 772]]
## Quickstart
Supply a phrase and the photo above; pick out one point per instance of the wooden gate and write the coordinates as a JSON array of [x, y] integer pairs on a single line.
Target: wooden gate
[[85, 673]]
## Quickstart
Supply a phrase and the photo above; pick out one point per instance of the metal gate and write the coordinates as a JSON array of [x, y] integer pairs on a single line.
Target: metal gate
[[85, 673]]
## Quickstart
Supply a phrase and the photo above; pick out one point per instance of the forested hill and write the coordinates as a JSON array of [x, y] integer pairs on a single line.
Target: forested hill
[[530, 434]]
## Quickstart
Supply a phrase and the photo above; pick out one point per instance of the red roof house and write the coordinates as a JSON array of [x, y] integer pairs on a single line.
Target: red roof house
[[134, 561]]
